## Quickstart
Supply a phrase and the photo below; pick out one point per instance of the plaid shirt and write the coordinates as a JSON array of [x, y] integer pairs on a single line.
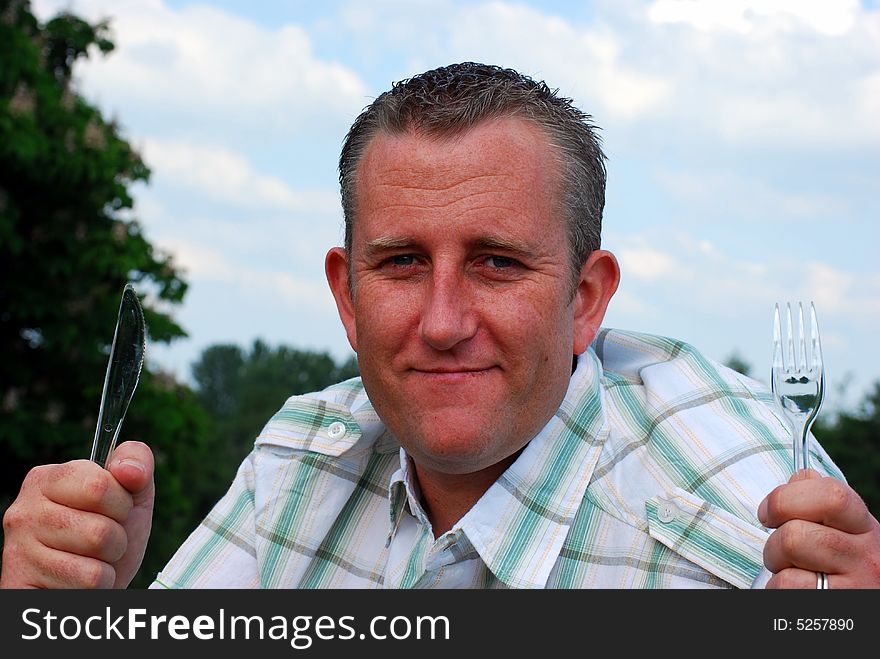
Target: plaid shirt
[[648, 476]]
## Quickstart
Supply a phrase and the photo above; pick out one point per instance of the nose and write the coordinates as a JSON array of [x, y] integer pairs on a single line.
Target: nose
[[447, 318]]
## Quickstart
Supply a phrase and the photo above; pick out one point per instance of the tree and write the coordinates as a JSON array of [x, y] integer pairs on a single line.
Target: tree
[[852, 438], [68, 245], [737, 363]]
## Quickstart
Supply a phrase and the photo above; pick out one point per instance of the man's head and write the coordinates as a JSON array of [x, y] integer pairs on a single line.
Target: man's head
[[457, 287], [452, 99]]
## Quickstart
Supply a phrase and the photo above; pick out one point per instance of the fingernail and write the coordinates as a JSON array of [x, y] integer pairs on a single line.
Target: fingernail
[[762, 512], [130, 462]]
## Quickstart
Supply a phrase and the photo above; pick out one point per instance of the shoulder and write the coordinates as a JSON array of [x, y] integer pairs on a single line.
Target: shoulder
[[340, 420], [667, 364], [680, 422], [692, 448]]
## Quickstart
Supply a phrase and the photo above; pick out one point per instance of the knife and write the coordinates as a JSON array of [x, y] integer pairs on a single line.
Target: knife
[[123, 373]]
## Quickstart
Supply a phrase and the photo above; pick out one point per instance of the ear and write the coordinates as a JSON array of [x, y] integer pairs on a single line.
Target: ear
[[336, 269], [599, 278]]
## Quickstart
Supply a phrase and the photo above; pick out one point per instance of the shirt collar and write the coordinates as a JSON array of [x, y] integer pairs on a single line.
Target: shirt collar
[[519, 525], [404, 489]]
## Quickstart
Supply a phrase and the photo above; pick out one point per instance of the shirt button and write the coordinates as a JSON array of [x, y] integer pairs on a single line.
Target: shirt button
[[666, 511], [336, 430]]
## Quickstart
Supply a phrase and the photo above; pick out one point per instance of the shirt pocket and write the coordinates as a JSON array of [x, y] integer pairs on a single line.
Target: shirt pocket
[[711, 537]]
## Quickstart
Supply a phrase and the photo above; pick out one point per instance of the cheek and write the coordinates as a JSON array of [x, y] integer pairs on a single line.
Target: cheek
[[383, 314], [530, 324]]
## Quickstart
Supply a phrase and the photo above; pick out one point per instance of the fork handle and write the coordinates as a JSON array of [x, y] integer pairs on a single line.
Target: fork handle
[[802, 443]]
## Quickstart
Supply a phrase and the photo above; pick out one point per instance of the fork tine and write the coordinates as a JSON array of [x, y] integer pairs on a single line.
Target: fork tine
[[815, 342], [788, 359], [778, 359], [802, 341]]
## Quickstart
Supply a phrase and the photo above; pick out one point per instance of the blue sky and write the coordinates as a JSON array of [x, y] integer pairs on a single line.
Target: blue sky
[[741, 136]]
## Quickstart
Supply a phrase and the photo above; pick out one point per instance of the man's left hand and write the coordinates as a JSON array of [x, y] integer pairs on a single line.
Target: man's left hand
[[822, 525]]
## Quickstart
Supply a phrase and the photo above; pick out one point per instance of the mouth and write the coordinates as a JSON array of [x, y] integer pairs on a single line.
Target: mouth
[[453, 374]]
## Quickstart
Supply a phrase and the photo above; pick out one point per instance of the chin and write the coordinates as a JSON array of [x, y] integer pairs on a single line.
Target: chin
[[458, 453]]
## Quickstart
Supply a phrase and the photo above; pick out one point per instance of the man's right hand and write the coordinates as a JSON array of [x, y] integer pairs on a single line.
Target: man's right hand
[[76, 525]]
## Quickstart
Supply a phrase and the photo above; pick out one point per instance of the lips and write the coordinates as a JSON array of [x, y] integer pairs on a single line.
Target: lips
[[441, 371], [453, 374]]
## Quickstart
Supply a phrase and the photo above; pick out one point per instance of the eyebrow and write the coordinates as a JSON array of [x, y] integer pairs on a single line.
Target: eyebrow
[[387, 242], [495, 242], [383, 243]]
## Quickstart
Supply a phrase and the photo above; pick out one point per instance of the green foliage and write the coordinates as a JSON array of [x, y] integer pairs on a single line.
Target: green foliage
[[67, 247], [737, 363], [852, 439]]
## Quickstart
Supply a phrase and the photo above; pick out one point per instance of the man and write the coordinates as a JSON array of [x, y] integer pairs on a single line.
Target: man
[[497, 437]]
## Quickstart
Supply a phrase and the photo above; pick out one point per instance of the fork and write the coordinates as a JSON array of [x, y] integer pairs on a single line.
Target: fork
[[798, 378]]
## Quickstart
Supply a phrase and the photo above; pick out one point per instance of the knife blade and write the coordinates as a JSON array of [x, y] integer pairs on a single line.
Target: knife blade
[[123, 372]]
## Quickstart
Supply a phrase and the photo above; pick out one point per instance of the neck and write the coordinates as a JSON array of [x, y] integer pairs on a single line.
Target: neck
[[447, 497]]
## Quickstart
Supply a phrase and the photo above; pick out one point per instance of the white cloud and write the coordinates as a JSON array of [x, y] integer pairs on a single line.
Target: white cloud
[[583, 62], [576, 58], [867, 96], [691, 272], [757, 72], [745, 196], [647, 264], [844, 293], [626, 304], [203, 62], [206, 264], [199, 260], [747, 16], [772, 72], [221, 174], [789, 72]]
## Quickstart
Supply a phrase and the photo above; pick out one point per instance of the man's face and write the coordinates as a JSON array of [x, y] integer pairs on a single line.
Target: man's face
[[462, 311]]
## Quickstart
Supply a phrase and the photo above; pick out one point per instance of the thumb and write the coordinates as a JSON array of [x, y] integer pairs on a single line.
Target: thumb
[[132, 467]]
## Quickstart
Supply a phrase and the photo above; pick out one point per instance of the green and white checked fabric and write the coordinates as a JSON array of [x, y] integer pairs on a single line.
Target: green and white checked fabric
[[649, 476]]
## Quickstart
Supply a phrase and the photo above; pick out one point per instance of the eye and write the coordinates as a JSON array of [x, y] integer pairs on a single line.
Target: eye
[[495, 267], [400, 265], [401, 260], [500, 262]]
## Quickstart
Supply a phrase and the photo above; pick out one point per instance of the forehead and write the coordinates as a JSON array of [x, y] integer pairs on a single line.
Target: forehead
[[503, 164], [491, 145]]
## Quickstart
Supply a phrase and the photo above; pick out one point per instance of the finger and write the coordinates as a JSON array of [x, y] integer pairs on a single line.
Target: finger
[[132, 465], [79, 532], [810, 546], [794, 578], [823, 500], [83, 485], [52, 568], [38, 566]]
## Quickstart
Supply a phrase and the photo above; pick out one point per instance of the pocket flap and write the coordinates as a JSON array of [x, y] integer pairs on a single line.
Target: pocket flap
[[716, 540]]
